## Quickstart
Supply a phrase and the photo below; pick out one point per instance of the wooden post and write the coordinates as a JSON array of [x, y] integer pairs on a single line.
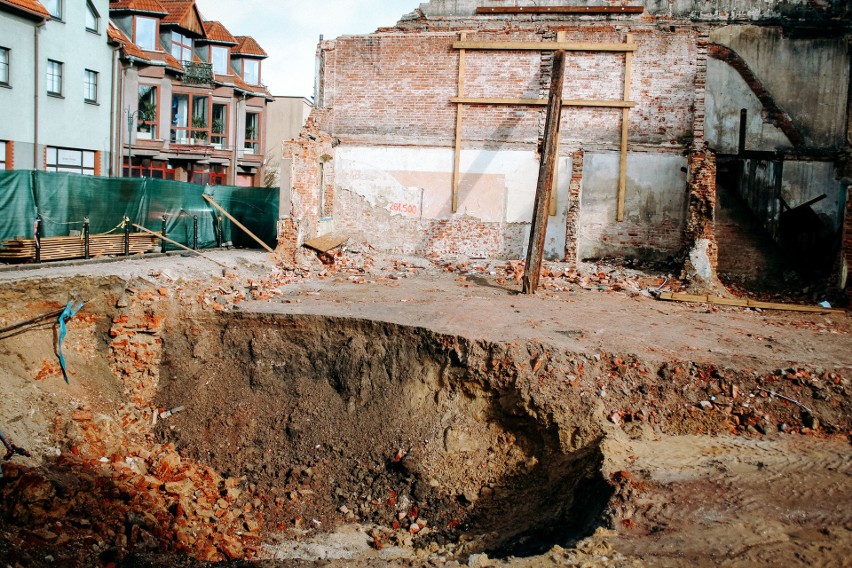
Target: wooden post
[[549, 155], [625, 119], [459, 121], [561, 36], [212, 202]]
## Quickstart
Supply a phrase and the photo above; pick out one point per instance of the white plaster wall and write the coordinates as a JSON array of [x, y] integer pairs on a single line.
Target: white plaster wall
[[69, 121], [416, 183], [803, 181], [16, 121]]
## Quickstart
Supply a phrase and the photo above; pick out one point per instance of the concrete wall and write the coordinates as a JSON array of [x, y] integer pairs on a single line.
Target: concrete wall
[[69, 121], [17, 35], [807, 78]]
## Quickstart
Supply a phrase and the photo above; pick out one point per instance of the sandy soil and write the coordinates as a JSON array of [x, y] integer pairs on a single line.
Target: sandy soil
[[701, 482]]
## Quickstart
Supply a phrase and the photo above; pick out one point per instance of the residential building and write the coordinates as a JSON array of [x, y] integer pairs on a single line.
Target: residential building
[[191, 94], [55, 85], [285, 118]]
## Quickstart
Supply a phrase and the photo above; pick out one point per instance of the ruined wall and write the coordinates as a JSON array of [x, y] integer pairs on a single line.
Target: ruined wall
[[385, 101]]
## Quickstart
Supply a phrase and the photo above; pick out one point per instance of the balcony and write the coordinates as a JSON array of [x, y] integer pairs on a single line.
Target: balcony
[[197, 73]]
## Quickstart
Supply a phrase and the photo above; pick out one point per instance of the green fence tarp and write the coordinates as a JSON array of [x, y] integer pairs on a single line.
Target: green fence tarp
[[64, 200], [17, 205]]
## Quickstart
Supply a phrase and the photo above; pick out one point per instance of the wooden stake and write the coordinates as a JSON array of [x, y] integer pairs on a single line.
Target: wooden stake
[[177, 244], [532, 270], [459, 121], [212, 202], [561, 36], [625, 119]]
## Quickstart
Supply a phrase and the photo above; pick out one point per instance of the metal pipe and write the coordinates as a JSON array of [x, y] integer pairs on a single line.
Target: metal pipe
[[36, 75]]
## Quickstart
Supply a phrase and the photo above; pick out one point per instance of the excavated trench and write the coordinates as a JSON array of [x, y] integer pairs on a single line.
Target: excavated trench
[[341, 420]]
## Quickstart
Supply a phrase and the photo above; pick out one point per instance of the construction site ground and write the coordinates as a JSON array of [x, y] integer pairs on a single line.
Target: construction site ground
[[380, 409]]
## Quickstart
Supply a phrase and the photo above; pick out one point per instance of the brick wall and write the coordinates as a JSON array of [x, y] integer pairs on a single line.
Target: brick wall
[[392, 89]]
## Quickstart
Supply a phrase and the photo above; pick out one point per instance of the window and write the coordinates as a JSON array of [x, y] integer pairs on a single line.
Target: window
[[220, 56], [181, 47], [146, 115], [190, 119], [252, 133], [219, 126], [251, 71], [90, 86], [212, 175], [3, 165], [69, 160], [146, 33], [54, 78], [4, 66], [54, 7], [92, 18], [146, 167]]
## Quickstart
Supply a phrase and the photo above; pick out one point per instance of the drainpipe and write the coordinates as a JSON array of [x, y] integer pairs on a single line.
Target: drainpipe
[[117, 90], [36, 75]]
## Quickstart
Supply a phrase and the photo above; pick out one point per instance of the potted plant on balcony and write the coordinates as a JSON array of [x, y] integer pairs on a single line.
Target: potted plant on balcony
[[218, 127], [199, 136], [146, 114]]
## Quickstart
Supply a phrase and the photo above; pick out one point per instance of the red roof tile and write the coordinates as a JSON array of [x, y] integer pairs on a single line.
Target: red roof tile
[[148, 6], [31, 6], [216, 32], [246, 45], [177, 10], [130, 49]]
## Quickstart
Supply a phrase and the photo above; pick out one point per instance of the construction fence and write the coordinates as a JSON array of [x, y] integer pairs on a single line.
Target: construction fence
[[61, 203]]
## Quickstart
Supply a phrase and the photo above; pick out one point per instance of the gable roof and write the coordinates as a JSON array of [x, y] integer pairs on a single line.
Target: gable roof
[[31, 8], [146, 6], [183, 13], [217, 33], [247, 46]]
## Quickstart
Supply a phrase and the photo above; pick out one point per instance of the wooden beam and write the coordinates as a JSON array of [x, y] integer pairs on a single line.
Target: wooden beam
[[177, 244], [561, 36], [459, 124], [746, 303], [212, 202], [544, 46], [560, 10], [532, 271], [625, 120], [541, 102]]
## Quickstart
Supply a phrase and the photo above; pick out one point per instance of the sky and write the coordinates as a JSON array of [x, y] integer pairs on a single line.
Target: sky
[[288, 30]]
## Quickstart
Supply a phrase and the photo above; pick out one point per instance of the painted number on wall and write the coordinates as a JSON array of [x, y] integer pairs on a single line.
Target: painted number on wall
[[406, 208]]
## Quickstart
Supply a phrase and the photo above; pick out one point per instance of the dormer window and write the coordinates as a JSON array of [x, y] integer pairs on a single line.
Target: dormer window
[[181, 47], [54, 7], [251, 71], [219, 56], [92, 18], [146, 33]]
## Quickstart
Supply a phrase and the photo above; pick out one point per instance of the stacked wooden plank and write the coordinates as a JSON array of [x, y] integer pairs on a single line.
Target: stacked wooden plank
[[64, 248]]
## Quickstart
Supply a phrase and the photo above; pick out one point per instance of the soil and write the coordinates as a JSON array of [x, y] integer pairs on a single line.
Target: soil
[[392, 410]]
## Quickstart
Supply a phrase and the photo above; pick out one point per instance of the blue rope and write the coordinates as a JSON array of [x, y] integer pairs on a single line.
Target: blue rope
[[69, 312]]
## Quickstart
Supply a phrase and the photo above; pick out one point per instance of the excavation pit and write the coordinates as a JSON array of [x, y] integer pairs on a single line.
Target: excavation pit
[[432, 422], [344, 420]]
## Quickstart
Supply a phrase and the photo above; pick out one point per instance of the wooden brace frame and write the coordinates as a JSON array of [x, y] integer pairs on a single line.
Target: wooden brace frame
[[625, 104]]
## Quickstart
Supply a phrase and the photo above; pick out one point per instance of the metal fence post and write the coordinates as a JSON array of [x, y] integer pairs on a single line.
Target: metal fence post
[[126, 236], [195, 232], [86, 238], [38, 239], [163, 247]]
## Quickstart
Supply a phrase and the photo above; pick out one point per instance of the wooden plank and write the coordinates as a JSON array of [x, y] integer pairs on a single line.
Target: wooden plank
[[544, 46], [326, 243], [459, 124], [535, 251], [746, 303], [542, 102], [625, 121], [212, 202], [177, 244], [560, 9]]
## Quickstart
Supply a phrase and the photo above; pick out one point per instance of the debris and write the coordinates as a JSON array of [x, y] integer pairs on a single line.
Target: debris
[[12, 449], [788, 399], [67, 314]]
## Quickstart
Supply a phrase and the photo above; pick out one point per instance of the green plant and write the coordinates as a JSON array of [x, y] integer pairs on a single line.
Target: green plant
[[218, 126], [199, 122]]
